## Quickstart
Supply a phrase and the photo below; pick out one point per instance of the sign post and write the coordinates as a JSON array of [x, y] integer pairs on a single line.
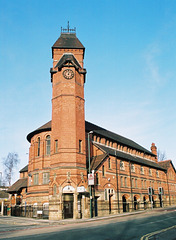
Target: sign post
[[91, 179]]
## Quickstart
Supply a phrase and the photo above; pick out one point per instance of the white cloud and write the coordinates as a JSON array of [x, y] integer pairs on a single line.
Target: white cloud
[[152, 66]]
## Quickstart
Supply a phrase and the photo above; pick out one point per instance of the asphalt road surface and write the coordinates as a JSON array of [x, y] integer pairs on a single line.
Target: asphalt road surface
[[118, 228]]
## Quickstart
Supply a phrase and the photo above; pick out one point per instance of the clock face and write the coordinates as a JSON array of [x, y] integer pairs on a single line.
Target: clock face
[[68, 74]]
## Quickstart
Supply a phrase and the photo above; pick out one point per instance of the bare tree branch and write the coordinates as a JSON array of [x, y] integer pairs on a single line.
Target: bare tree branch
[[10, 162], [161, 155]]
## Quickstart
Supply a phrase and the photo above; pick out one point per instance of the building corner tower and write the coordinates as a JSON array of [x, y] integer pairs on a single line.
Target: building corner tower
[[68, 174]]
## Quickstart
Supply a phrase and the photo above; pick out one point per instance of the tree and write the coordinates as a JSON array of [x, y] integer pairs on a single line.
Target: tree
[[161, 155], [10, 162]]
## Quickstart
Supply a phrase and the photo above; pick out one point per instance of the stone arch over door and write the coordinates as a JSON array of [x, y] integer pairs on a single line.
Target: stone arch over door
[[145, 202], [125, 205], [136, 200]]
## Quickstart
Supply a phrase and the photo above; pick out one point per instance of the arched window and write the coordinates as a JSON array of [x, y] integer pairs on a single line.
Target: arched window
[[48, 145], [38, 147], [56, 146], [54, 190]]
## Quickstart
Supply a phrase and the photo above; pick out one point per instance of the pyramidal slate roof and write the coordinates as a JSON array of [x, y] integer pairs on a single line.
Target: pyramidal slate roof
[[99, 131], [68, 41]]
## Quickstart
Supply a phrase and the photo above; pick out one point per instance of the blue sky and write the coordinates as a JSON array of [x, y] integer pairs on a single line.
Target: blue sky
[[130, 60]]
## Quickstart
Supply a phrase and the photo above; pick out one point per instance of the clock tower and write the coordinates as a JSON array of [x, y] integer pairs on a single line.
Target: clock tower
[[68, 171]]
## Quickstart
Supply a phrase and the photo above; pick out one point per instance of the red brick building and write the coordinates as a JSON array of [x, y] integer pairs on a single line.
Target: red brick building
[[64, 150]]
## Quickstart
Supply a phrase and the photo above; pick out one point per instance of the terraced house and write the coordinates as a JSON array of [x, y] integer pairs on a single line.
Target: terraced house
[[123, 176]]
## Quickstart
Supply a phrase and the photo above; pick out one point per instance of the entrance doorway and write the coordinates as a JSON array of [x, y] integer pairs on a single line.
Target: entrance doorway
[[68, 205], [96, 206], [160, 199], [124, 204], [145, 203], [135, 203]]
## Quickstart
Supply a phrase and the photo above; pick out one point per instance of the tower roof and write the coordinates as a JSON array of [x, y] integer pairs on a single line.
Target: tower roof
[[68, 41]]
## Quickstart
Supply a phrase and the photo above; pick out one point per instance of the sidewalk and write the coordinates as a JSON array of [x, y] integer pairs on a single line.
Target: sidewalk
[[25, 221]]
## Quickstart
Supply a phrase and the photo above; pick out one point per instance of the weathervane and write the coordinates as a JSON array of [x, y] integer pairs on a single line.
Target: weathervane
[[68, 29]]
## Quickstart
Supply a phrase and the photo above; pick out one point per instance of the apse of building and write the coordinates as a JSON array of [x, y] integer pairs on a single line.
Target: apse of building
[[55, 184]]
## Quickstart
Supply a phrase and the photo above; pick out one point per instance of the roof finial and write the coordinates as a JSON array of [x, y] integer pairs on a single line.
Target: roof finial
[[68, 29]]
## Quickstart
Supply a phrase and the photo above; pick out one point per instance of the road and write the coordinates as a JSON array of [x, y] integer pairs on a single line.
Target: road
[[129, 227]]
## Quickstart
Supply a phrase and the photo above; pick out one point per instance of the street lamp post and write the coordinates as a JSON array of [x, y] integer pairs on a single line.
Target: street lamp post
[[90, 187]]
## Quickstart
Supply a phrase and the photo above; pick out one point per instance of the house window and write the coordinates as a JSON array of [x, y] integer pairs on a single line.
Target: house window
[[105, 194], [36, 179], [132, 168], [142, 184], [103, 173], [48, 145], [54, 190], [145, 184], [125, 180], [56, 146], [80, 146], [157, 173], [121, 181], [45, 178], [132, 182], [142, 170], [122, 165], [38, 147], [150, 172], [97, 179], [109, 163]]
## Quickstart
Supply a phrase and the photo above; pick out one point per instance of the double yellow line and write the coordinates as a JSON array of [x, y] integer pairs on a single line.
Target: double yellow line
[[147, 236]]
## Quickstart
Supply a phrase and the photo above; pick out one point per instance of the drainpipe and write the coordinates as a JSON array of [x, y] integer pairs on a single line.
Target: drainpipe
[[168, 188], [90, 187], [117, 185], [131, 185]]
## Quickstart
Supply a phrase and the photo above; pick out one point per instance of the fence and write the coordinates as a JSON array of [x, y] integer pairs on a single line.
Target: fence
[[30, 211]]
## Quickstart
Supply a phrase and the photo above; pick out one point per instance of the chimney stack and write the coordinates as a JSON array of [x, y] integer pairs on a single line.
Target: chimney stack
[[154, 151]]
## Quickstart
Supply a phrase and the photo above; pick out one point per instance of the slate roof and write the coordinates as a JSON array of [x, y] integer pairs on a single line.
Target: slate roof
[[99, 131], [166, 164], [97, 160], [68, 41], [25, 169], [18, 185], [115, 137], [44, 128], [128, 157]]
